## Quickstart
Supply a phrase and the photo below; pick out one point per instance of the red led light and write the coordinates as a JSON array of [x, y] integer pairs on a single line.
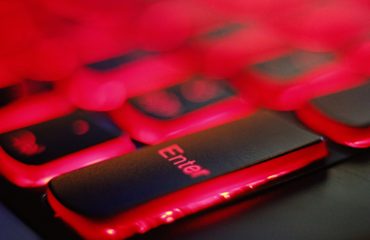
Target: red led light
[[189, 200]]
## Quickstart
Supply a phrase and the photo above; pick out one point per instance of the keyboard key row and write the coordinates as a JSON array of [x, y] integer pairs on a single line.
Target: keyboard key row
[[37, 140]]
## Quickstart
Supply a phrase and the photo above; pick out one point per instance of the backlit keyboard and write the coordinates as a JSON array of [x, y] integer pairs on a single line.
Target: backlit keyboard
[[117, 117]]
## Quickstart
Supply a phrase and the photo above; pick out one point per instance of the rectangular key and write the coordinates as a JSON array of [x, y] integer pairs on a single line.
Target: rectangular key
[[33, 154], [343, 116], [287, 79], [193, 105], [158, 184]]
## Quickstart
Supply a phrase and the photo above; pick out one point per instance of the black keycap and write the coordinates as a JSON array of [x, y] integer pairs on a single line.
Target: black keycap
[[293, 64], [183, 98], [44, 142], [108, 188], [350, 107]]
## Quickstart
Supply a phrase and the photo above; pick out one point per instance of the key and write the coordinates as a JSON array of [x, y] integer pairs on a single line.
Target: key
[[194, 104], [34, 153], [97, 30], [227, 49], [329, 24], [138, 72], [158, 184], [288, 78], [167, 25], [344, 116]]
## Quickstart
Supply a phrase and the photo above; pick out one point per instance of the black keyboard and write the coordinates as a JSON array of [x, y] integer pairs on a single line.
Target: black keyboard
[[120, 117]]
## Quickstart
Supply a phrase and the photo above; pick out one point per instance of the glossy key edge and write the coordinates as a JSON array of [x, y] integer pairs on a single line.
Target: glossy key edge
[[46, 107], [31, 176], [338, 132], [189, 200]]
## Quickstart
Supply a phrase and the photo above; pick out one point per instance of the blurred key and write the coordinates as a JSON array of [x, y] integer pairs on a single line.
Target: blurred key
[[162, 183], [190, 106], [286, 79], [138, 72], [226, 49], [166, 25], [95, 31], [33, 154], [344, 116], [329, 23]]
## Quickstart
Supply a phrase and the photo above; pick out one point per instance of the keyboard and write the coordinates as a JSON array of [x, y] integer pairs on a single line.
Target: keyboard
[[117, 118]]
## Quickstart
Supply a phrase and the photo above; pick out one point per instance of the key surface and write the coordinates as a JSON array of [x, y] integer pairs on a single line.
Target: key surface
[[287, 67], [183, 98], [103, 190], [351, 107], [44, 142]]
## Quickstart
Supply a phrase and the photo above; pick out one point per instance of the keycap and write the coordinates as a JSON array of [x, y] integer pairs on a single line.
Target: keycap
[[330, 24], [34, 153], [194, 104], [159, 184], [288, 78], [226, 49], [167, 25], [135, 73], [344, 116], [97, 29]]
